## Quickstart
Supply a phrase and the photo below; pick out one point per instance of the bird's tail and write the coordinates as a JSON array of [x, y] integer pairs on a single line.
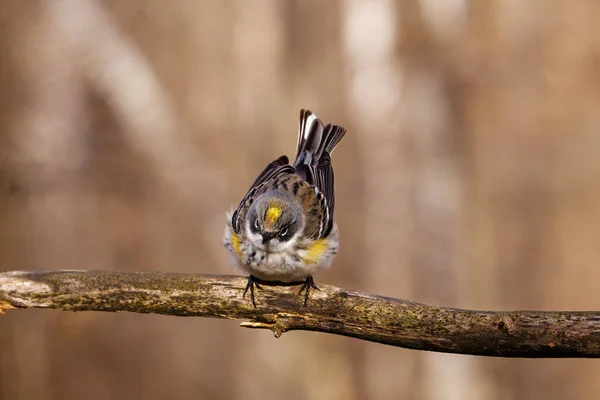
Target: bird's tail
[[314, 140]]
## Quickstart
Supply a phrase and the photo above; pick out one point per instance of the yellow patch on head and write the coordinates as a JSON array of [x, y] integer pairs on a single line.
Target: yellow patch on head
[[235, 242], [315, 251], [273, 214]]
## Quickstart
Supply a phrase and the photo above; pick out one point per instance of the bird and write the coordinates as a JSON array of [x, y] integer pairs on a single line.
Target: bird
[[283, 230]]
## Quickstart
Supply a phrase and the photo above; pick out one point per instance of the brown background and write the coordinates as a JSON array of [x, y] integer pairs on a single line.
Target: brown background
[[469, 178]]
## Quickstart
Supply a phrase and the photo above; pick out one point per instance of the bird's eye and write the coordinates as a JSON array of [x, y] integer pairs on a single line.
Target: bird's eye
[[283, 232], [256, 224]]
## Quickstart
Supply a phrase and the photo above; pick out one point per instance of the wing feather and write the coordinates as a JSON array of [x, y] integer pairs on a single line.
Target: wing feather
[[325, 183]]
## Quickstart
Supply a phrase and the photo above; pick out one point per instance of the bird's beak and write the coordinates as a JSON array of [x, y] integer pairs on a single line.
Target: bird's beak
[[266, 236]]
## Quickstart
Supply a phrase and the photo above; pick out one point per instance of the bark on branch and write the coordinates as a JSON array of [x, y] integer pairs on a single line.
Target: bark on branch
[[378, 319]]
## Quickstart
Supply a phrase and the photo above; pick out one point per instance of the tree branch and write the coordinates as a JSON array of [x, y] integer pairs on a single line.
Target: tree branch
[[378, 319]]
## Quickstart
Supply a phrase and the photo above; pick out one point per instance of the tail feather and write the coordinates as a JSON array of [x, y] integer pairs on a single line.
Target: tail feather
[[332, 136], [313, 161], [310, 133], [314, 139]]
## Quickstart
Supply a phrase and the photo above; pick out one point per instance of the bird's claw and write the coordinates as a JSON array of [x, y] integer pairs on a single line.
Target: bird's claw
[[308, 284], [250, 286]]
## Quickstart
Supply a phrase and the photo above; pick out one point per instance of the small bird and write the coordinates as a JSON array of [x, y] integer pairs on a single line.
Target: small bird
[[283, 229]]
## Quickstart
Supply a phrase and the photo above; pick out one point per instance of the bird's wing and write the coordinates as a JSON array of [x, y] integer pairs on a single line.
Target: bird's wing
[[325, 183]]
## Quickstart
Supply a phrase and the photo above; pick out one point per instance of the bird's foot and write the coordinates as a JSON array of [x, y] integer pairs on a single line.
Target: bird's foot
[[252, 282], [308, 284]]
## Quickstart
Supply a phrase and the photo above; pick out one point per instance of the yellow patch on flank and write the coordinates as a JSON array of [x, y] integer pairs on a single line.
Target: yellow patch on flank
[[315, 251], [235, 241], [273, 214]]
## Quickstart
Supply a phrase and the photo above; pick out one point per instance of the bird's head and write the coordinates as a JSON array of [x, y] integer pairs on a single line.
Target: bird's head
[[274, 218]]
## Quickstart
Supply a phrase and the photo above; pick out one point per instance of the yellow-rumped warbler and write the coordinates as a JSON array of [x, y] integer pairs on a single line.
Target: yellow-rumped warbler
[[283, 229]]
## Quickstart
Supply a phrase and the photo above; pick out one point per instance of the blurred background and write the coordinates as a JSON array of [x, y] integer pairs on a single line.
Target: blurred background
[[469, 178]]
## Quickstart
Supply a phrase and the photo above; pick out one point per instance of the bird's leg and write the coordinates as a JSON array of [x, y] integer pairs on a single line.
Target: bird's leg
[[308, 284], [252, 281]]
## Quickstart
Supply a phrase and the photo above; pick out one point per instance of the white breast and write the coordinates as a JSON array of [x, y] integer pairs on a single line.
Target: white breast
[[284, 262], [278, 261]]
